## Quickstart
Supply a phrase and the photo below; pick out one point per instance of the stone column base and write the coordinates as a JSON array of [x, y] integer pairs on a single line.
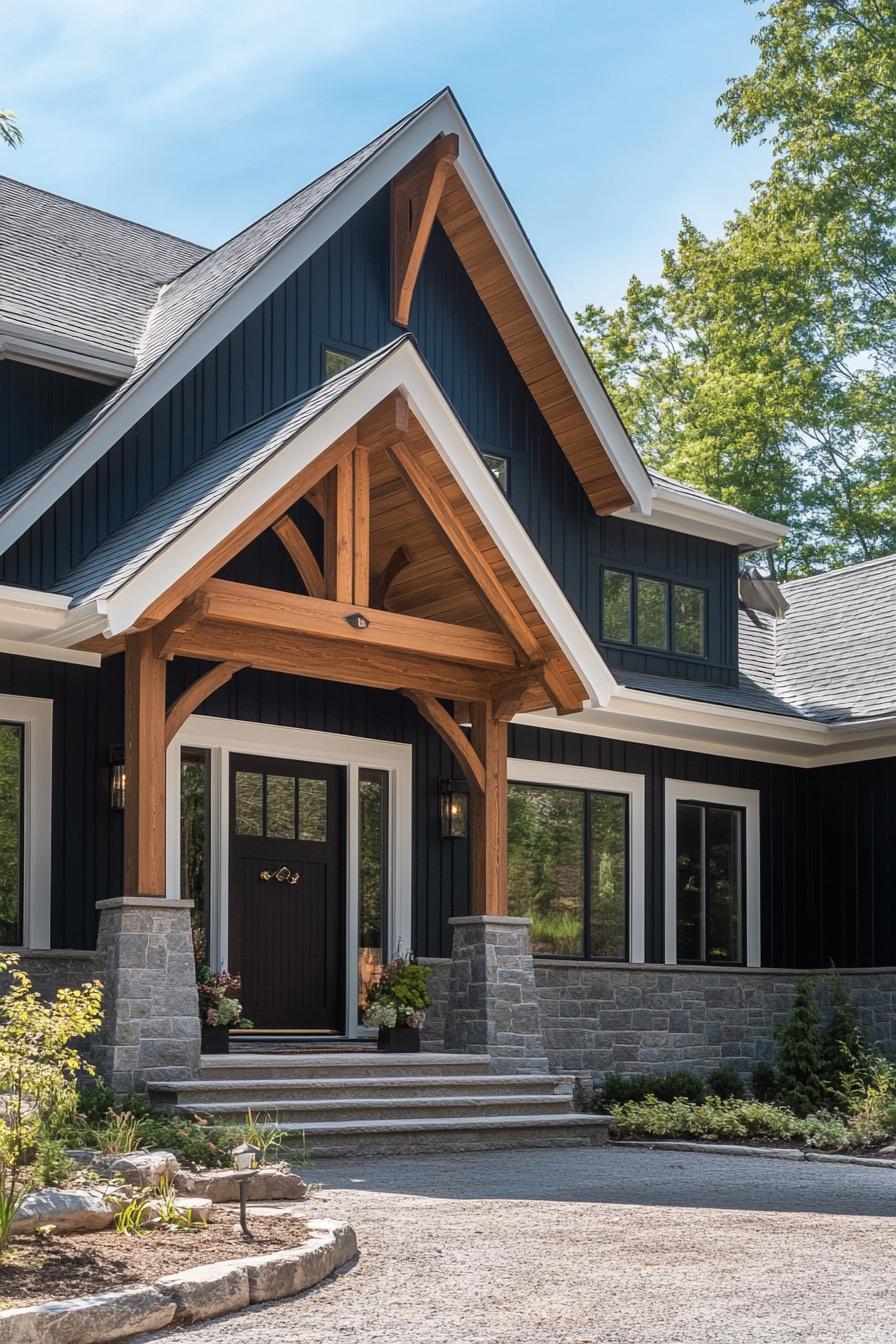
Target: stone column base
[[492, 1002], [150, 1028]]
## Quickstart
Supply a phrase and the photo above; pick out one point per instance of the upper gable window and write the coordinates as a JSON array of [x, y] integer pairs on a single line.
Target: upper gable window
[[337, 360], [653, 614], [499, 467]]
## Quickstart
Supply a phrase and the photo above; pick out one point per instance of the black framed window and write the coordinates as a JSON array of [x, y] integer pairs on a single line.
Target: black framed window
[[12, 779], [499, 466], [710, 842], [653, 614], [336, 358], [567, 869]]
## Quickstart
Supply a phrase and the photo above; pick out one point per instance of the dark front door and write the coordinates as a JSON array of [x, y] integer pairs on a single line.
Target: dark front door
[[287, 891]]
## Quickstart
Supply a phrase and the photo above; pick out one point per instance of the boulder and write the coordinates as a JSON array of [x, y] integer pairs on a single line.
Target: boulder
[[146, 1167], [199, 1209], [222, 1187], [66, 1210], [206, 1291], [107, 1316]]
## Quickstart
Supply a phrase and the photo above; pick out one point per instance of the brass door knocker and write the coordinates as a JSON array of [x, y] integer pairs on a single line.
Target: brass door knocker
[[283, 874]]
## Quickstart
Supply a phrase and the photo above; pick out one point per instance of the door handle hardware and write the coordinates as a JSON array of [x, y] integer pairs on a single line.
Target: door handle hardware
[[283, 874]]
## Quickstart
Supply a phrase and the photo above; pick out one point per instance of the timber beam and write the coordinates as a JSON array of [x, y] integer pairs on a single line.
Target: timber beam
[[416, 192], [144, 755], [195, 694], [398, 560], [301, 555]]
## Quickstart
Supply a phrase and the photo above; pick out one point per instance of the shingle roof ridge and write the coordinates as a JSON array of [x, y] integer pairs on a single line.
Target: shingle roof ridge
[[108, 214], [880, 560]]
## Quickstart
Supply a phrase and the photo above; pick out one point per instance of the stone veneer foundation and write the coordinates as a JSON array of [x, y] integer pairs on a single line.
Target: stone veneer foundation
[[598, 1019]]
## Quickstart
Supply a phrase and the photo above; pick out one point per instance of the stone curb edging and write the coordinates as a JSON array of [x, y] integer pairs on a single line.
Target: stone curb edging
[[183, 1299], [744, 1150]]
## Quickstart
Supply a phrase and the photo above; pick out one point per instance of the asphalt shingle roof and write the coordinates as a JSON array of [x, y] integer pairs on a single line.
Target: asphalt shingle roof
[[73, 273], [206, 483]]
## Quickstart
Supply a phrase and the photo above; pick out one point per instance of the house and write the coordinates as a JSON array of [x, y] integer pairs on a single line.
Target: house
[[337, 602]]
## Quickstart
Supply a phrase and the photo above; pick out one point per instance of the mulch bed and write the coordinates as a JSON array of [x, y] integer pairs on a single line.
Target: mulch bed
[[41, 1269]]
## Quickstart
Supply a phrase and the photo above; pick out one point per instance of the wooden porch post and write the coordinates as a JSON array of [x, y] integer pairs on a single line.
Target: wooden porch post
[[488, 808], [144, 815]]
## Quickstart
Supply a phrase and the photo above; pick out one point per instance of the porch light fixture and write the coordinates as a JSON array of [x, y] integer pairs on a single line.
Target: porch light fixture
[[117, 780], [357, 621], [454, 806]]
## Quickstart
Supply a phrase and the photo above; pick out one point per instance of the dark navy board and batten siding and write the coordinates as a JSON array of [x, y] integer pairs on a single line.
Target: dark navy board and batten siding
[[36, 405], [828, 868], [341, 294]]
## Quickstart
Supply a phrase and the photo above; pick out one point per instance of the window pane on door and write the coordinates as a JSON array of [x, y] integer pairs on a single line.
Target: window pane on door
[[723, 883], [545, 869], [609, 879], [11, 777], [280, 821], [689, 881], [313, 809], [194, 832], [372, 878], [249, 805]]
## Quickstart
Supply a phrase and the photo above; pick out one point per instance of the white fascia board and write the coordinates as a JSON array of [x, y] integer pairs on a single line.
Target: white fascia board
[[709, 519], [48, 652], [82, 359], [442, 116], [715, 730], [404, 369]]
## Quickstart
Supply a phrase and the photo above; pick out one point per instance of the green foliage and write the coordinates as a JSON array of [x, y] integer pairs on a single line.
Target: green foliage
[[827, 1131], [724, 1083], [119, 1132], [53, 1166], [801, 1083], [10, 131], [164, 1205], [122, 1124], [713, 1120], [844, 1052], [870, 1100], [131, 1219], [764, 1081], [12, 1193], [619, 1088], [761, 366], [402, 987], [262, 1132]]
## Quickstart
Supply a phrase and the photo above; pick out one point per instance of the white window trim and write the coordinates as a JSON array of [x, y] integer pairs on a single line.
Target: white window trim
[[681, 790], [36, 717], [602, 781], [221, 737]]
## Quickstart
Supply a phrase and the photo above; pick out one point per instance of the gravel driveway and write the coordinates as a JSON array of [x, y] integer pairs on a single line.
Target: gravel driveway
[[595, 1246]]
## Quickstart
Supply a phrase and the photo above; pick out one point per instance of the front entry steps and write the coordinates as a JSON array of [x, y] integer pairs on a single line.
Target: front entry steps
[[345, 1105]]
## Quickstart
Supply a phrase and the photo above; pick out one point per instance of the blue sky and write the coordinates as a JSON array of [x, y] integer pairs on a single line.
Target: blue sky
[[197, 117]]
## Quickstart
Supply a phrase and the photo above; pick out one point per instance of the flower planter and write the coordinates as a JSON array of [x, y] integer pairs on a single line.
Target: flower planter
[[399, 1040], [216, 1040]]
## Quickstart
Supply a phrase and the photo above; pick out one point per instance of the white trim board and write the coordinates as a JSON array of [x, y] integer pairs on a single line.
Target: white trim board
[[609, 781], [223, 737], [36, 716], [682, 790]]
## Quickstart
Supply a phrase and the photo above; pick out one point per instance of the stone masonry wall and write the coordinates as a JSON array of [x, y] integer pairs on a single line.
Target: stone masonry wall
[[598, 1019], [56, 969]]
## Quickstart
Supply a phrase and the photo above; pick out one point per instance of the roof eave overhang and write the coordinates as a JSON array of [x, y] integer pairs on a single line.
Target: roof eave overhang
[[720, 730], [401, 370], [80, 359], [708, 519], [441, 116]]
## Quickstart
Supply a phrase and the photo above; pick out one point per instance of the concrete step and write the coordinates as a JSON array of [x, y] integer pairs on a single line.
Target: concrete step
[[265, 1093], [363, 1064], [333, 1139], [301, 1111]]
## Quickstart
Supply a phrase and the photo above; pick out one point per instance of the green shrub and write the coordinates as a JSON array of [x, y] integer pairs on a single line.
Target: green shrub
[[725, 1083], [52, 1166], [712, 1120], [801, 1084], [764, 1081], [827, 1131], [845, 1051], [621, 1087], [870, 1100]]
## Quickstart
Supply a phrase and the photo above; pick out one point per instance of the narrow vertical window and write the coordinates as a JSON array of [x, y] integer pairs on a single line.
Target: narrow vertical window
[[373, 860], [616, 606], [11, 781], [195, 813], [608, 875], [709, 882], [688, 619], [545, 866], [653, 615]]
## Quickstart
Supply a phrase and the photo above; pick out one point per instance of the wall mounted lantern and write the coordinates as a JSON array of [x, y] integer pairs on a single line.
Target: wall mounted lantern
[[454, 807], [117, 779]]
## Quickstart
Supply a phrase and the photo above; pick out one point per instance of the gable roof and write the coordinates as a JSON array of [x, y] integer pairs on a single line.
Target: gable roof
[[198, 308], [76, 279], [117, 583]]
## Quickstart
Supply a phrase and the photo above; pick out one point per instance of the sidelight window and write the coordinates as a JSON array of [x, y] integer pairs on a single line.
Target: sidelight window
[[12, 738], [195, 832], [373, 877]]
